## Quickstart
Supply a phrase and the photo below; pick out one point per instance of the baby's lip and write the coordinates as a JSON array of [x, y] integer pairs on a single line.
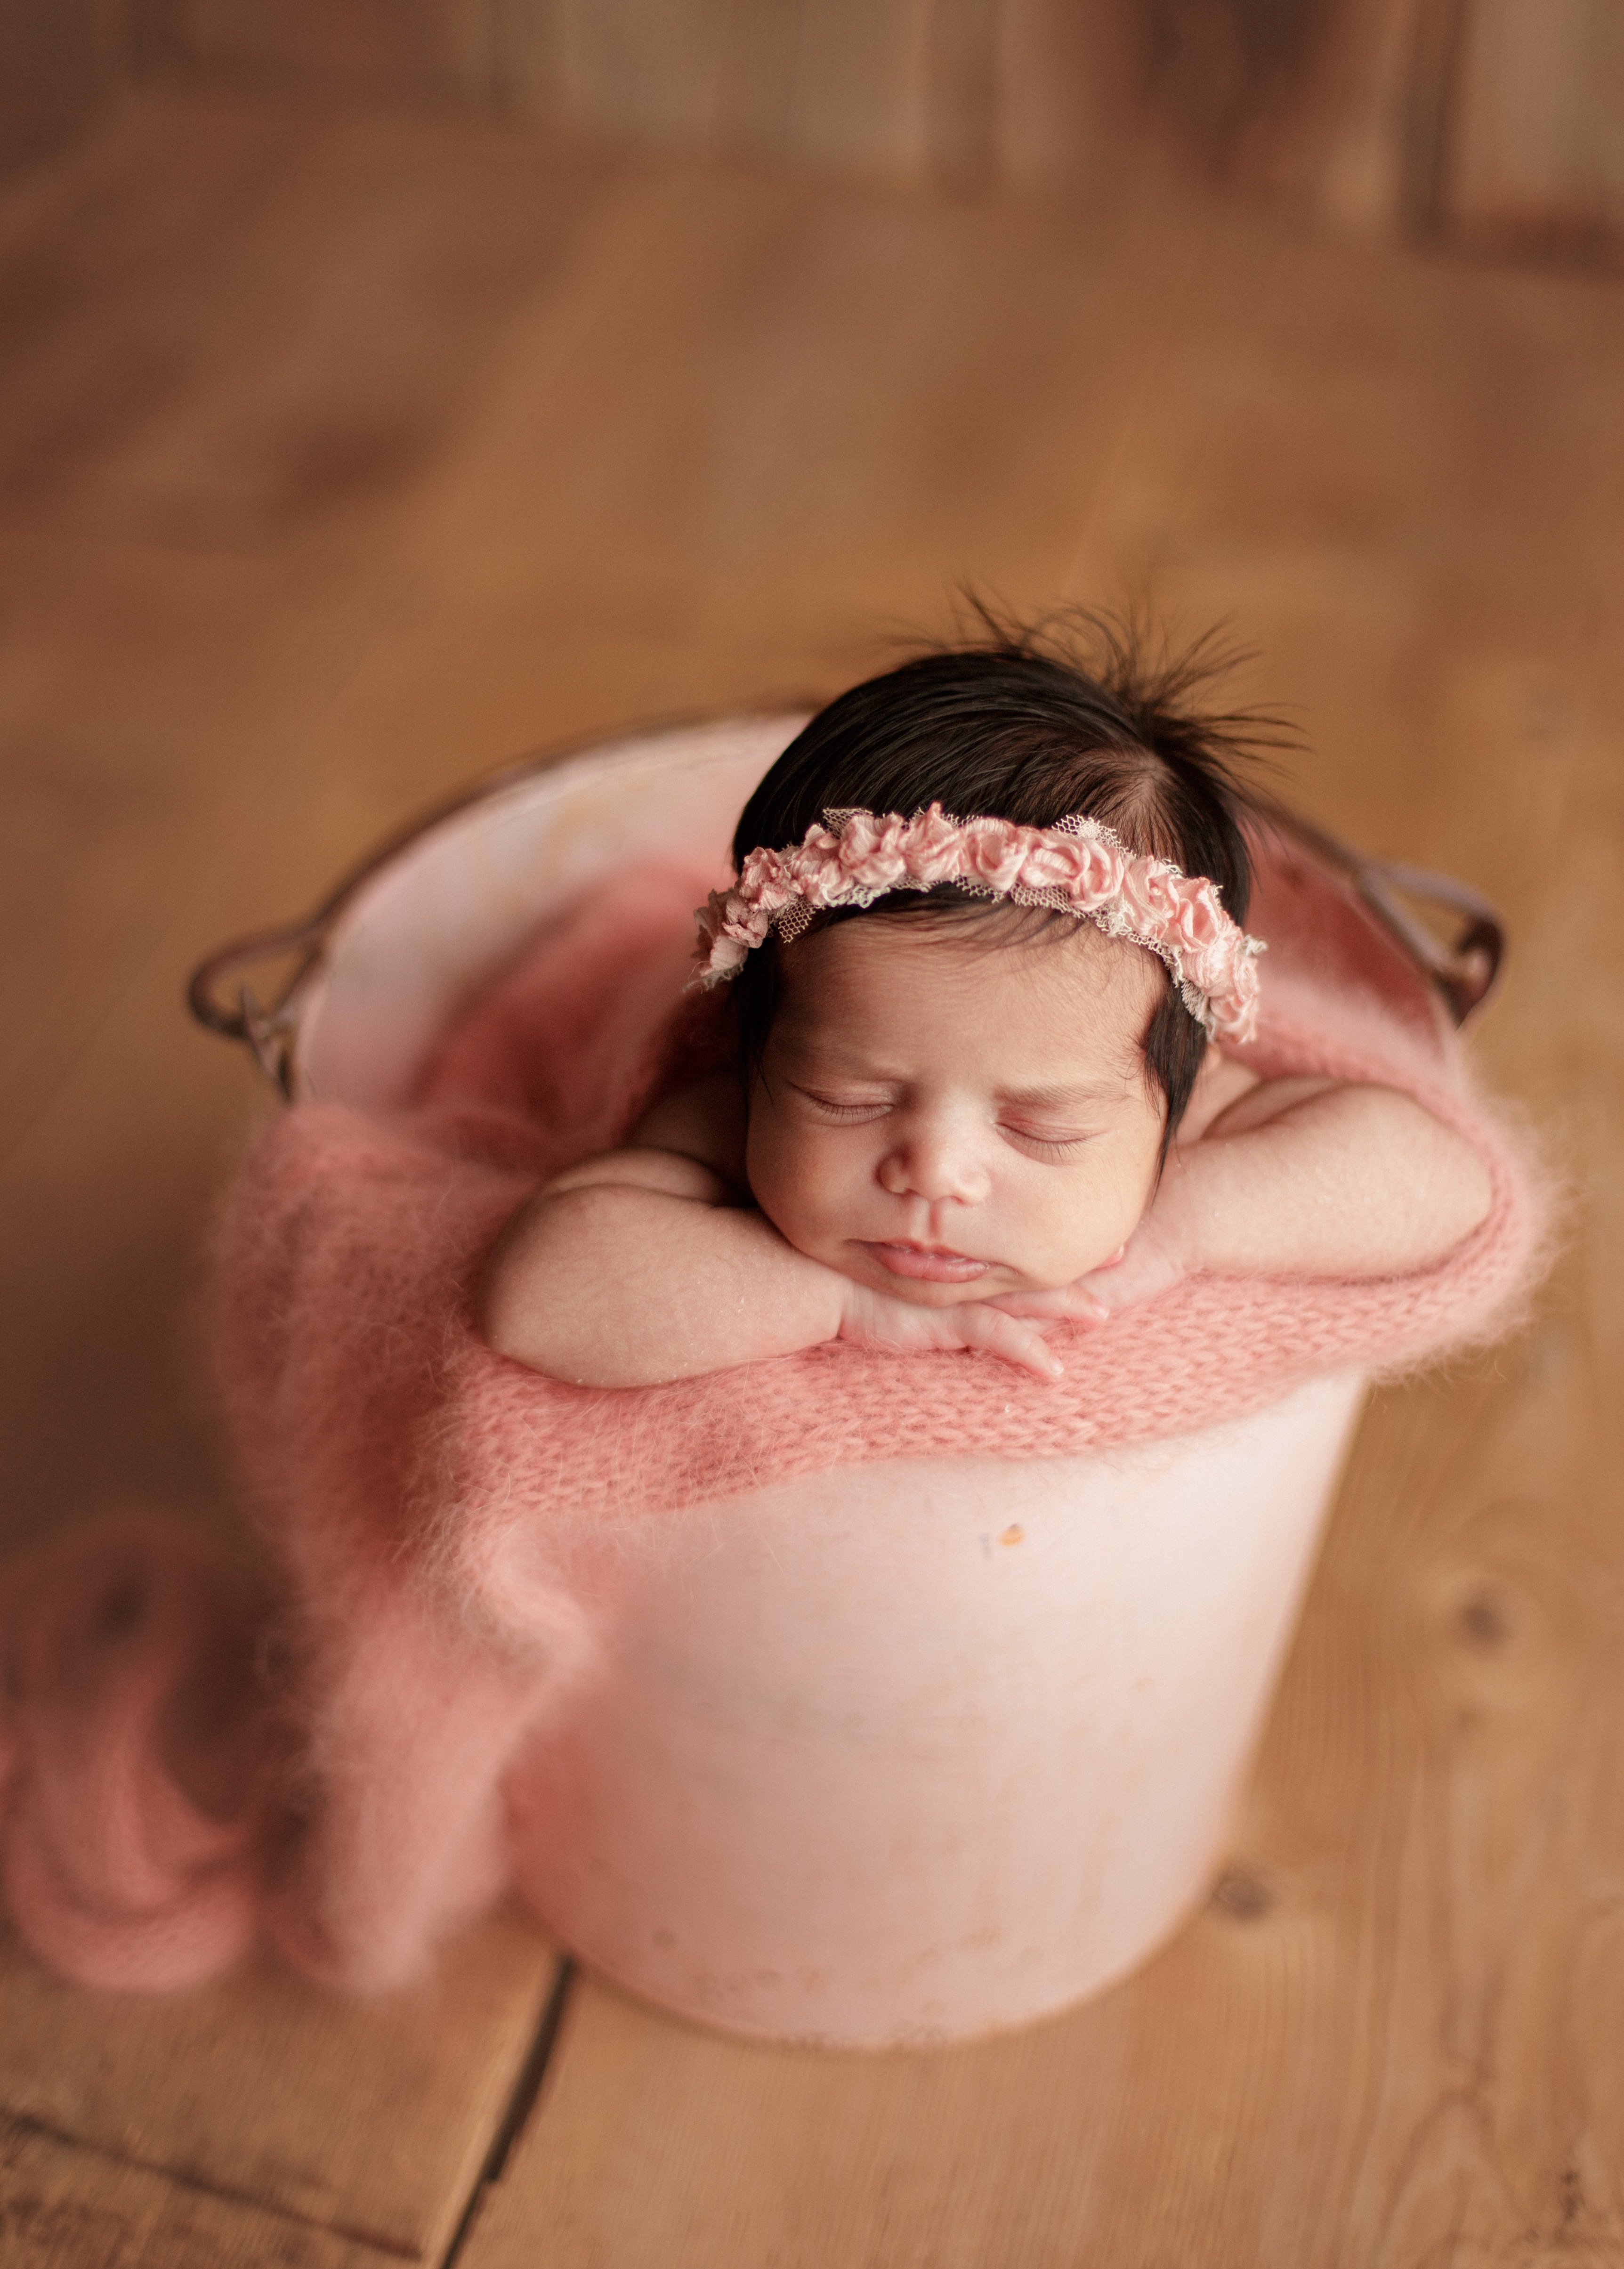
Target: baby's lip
[[933, 1264]]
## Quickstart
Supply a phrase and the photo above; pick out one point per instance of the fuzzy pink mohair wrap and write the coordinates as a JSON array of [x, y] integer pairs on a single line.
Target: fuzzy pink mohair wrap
[[335, 1770]]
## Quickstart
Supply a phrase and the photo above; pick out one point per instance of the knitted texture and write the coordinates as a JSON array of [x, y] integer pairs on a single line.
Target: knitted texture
[[436, 1512]]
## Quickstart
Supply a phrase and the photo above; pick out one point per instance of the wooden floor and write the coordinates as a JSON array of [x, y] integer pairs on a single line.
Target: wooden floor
[[342, 459]]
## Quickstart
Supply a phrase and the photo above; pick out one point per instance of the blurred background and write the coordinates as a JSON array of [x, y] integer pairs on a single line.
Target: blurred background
[[389, 388], [1495, 122]]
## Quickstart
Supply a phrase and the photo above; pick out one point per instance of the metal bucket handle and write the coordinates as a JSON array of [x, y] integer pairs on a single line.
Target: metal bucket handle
[[268, 1033], [1465, 970]]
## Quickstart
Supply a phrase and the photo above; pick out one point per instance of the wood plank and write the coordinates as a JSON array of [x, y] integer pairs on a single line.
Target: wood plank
[[1495, 122], [369, 2119], [62, 2208]]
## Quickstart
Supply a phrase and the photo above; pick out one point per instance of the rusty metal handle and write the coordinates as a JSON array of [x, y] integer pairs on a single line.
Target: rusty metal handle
[[266, 1030], [1465, 970]]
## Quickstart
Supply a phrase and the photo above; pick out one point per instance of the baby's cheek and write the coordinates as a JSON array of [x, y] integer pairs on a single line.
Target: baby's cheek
[[783, 1185], [1097, 1224]]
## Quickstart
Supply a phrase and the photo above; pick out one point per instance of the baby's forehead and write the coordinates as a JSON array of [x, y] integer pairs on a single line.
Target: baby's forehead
[[1049, 992], [1017, 951]]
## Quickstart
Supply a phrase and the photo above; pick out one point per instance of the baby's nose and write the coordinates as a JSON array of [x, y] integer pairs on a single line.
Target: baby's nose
[[934, 1163]]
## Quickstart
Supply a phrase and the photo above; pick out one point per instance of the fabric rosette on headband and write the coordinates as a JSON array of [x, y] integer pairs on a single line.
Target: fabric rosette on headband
[[1079, 867]]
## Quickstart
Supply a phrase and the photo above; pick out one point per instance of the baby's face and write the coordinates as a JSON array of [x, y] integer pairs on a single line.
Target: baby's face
[[947, 1118]]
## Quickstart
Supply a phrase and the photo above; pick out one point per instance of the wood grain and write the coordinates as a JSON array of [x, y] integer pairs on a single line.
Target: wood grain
[[61, 2208], [371, 2118]]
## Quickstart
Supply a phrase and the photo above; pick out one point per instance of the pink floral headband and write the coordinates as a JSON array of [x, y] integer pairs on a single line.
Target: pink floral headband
[[1077, 867]]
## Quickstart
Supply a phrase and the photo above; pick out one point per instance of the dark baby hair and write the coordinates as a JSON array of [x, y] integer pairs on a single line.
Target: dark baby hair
[[1026, 725]]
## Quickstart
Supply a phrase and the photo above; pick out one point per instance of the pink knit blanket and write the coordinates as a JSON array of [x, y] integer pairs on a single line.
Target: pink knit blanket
[[426, 1503]]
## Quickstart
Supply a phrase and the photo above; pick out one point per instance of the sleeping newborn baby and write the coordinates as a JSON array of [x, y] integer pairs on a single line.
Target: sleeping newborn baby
[[992, 997]]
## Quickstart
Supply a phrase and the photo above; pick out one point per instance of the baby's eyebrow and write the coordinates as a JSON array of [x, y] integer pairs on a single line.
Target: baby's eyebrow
[[833, 1062], [1057, 1098]]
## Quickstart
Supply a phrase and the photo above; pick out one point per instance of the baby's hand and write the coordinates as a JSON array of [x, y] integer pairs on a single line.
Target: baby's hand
[[874, 1320], [1147, 1265]]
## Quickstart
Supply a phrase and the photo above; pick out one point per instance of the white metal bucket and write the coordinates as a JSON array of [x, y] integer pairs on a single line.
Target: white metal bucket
[[898, 1753], [908, 1752]]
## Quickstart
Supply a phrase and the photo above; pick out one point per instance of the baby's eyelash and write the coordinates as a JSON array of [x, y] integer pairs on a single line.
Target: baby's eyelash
[[845, 1110], [1059, 1145]]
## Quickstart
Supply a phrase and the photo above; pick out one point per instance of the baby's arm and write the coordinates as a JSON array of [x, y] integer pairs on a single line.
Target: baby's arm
[[1305, 1178], [1296, 1176], [650, 1264], [642, 1265]]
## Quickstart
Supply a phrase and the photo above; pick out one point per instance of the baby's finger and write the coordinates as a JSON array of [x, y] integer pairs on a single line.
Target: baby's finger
[[992, 1332]]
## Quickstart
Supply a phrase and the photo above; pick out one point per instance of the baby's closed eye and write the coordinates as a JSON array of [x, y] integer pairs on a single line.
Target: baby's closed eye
[[1053, 1142], [1054, 1139], [847, 1106]]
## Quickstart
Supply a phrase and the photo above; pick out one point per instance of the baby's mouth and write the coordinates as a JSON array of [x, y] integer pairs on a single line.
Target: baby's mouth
[[933, 1264]]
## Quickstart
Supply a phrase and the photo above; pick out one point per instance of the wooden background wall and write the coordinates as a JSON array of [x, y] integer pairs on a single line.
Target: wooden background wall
[[1497, 123]]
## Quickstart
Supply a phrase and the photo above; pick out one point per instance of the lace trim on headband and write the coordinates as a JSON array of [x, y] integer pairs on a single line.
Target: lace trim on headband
[[1079, 867]]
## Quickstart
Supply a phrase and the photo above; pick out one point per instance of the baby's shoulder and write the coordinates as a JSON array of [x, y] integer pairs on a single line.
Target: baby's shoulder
[[1220, 1082], [1226, 1090], [704, 1121]]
